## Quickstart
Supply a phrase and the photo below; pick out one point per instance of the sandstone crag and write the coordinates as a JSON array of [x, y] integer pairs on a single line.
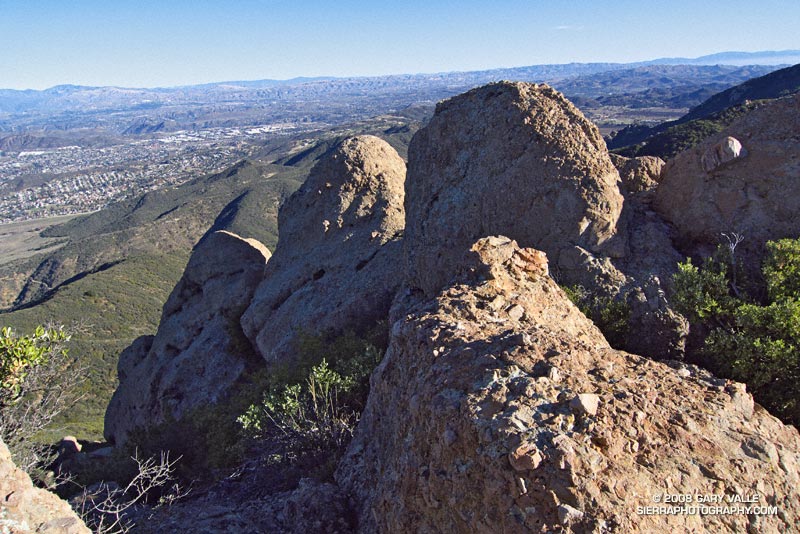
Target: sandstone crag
[[199, 351], [336, 263], [516, 159], [500, 408]]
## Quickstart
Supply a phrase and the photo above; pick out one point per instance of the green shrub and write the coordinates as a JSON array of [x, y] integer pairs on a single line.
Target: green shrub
[[609, 314], [310, 417], [749, 341], [20, 354], [310, 409], [303, 412], [782, 269], [702, 293], [38, 380]]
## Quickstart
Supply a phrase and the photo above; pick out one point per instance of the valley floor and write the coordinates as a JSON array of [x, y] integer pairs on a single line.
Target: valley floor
[[19, 240]]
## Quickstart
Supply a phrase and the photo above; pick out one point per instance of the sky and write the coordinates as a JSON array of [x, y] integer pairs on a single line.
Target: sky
[[178, 42]]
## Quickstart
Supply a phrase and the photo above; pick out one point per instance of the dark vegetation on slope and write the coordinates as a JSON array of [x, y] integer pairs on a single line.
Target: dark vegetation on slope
[[666, 139], [675, 139]]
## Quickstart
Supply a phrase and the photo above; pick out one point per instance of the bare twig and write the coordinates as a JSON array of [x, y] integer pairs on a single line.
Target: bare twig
[[733, 239], [108, 508]]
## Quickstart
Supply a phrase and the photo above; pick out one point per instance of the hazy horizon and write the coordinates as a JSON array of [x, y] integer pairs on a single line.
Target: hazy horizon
[[153, 44]]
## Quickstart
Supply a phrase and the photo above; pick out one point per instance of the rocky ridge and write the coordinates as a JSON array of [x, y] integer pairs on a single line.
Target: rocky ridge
[[498, 405], [500, 383], [333, 269], [520, 160]]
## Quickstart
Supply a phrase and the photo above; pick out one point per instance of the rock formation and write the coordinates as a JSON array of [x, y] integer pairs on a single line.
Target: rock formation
[[199, 351], [500, 408], [640, 174], [743, 180], [520, 160], [336, 263], [515, 159], [655, 330], [24, 508]]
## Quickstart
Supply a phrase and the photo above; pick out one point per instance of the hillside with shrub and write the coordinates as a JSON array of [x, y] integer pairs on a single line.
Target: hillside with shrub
[[667, 139]]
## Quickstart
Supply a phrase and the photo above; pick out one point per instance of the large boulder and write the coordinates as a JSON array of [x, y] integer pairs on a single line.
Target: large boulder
[[25, 508], [199, 351], [516, 159], [743, 179], [336, 263], [500, 408]]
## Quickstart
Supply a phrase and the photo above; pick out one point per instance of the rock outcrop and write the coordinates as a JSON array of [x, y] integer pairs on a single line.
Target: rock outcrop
[[520, 160], [742, 180], [639, 175], [336, 263], [500, 408], [515, 159], [24, 508], [199, 351]]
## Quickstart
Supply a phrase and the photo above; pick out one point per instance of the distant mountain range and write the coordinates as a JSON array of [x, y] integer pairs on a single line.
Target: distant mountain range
[[96, 112], [767, 57]]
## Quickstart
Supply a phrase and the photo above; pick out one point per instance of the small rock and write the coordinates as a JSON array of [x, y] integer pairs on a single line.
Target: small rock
[[585, 403], [523, 488], [498, 303], [568, 515], [741, 400], [516, 312], [554, 375], [525, 457], [69, 445]]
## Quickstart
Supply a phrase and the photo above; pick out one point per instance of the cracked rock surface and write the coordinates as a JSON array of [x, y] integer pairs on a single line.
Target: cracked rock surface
[[479, 421]]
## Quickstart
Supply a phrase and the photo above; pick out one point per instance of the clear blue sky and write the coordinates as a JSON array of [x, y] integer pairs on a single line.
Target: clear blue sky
[[173, 42]]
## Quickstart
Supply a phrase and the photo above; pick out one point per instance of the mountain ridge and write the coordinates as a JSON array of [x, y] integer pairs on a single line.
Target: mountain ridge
[[718, 58]]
